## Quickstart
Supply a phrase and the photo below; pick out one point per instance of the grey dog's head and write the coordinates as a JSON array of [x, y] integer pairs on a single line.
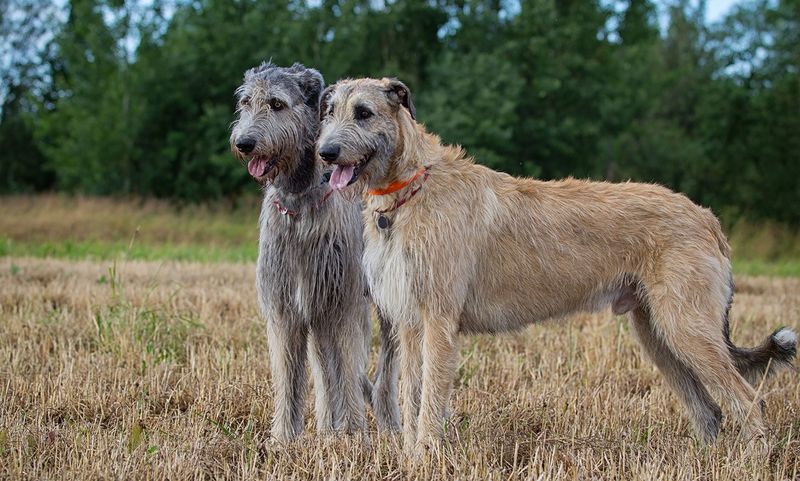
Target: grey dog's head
[[362, 130], [277, 118]]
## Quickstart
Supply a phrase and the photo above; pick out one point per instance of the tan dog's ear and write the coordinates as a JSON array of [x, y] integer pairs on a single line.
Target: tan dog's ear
[[323, 101], [399, 93]]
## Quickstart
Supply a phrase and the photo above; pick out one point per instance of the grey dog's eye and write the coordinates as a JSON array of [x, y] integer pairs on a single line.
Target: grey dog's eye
[[276, 104], [245, 101]]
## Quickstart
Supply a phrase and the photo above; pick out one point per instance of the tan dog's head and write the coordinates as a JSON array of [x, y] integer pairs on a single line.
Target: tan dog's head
[[362, 128]]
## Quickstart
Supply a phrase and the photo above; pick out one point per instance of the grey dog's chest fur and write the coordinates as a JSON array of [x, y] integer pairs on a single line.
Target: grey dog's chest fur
[[309, 264]]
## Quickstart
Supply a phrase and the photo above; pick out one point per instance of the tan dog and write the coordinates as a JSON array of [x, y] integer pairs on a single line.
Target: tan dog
[[452, 247]]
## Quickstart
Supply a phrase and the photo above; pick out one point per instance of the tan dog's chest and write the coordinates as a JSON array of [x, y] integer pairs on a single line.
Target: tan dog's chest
[[389, 273]]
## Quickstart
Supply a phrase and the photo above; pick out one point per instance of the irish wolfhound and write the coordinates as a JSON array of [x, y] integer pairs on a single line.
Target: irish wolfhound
[[309, 280], [452, 247]]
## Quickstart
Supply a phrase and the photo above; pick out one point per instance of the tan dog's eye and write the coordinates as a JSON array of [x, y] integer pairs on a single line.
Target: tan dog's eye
[[363, 113], [276, 104]]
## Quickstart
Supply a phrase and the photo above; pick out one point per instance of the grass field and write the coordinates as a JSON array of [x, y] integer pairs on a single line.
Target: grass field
[[118, 367]]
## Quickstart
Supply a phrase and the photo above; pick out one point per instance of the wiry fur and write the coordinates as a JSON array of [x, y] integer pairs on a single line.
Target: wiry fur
[[481, 251], [311, 289]]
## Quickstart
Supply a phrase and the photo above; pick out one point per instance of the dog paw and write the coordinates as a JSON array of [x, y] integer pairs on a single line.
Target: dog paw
[[415, 454], [275, 444], [427, 445], [757, 448]]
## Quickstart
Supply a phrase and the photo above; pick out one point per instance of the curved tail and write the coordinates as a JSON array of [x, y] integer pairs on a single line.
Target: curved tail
[[778, 350]]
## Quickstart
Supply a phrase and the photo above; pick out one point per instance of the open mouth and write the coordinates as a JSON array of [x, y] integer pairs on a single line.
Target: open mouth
[[261, 165], [344, 175]]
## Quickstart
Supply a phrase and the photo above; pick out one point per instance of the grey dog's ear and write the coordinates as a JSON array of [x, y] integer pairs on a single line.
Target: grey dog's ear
[[310, 81], [323, 101], [399, 93]]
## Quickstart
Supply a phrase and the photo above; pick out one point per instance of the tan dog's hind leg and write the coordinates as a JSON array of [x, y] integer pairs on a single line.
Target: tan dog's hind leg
[[689, 318], [355, 356], [338, 367], [440, 354], [410, 337], [384, 395], [705, 414], [716, 370]]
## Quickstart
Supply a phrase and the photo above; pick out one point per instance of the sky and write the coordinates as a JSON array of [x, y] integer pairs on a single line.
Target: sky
[[717, 8]]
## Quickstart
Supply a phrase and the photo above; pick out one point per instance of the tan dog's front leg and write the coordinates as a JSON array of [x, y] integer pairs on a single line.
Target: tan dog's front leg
[[410, 337], [440, 358]]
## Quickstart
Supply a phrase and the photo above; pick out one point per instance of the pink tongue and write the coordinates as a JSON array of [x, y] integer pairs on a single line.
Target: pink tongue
[[341, 176], [256, 166]]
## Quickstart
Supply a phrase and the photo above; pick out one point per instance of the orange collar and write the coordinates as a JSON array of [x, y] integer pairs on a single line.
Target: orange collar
[[398, 184]]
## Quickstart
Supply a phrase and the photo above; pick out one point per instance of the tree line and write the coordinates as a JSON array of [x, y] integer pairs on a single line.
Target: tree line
[[136, 97]]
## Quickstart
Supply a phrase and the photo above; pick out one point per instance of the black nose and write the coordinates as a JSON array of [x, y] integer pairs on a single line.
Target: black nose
[[329, 153], [246, 144]]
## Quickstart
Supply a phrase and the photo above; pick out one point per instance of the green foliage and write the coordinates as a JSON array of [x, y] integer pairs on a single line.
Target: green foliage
[[124, 98], [23, 165], [491, 87]]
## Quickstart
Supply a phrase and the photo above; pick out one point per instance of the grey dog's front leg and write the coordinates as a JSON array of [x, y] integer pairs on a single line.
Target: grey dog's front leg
[[326, 368], [384, 396], [287, 349]]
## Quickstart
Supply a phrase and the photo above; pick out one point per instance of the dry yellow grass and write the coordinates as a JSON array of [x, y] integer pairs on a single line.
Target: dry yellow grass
[[159, 371], [53, 217]]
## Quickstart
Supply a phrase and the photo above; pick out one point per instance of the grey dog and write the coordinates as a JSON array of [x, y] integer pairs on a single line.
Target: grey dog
[[311, 289]]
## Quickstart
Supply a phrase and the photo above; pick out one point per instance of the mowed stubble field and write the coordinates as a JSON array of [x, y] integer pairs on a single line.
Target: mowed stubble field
[[124, 368]]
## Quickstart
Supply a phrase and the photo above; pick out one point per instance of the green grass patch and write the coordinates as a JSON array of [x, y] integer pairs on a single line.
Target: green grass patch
[[109, 250], [777, 268], [156, 332]]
